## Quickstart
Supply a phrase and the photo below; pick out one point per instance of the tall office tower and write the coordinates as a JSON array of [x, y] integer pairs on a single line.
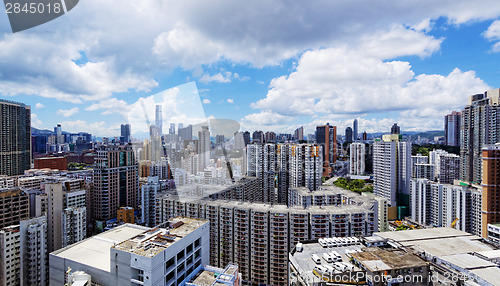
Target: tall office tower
[[171, 130], [262, 163], [395, 129], [239, 140], [326, 136], [156, 146], [116, 181], [452, 129], [219, 139], [179, 126], [365, 136], [357, 159], [15, 142], [246, 137], [298, 134], [23, 253], [283, 153], [125, 132], [161, 169], [491, 186], [61, 195], [355, 129], [204, 146], [446, 166], [159, 119], [186, 133], [270, 136], [14, 206], [480, 125], [74, 225], [392, 169], [258, 137], [306, 166], [58, 134], [348, 134]]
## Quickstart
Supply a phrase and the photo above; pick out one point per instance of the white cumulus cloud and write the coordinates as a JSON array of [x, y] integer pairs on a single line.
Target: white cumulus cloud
[[68, 112]]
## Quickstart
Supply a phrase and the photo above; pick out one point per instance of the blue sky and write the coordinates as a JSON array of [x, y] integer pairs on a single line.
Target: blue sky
[[269, 66]]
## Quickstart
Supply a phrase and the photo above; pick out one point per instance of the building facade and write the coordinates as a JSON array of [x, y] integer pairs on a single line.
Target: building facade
[[15, 142], [116, 181]]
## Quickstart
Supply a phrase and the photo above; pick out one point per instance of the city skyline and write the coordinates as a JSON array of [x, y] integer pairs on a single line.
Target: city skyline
[[273, 67]]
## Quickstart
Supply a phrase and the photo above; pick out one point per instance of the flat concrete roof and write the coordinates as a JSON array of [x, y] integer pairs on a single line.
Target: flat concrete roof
[[154, 241], [467, 261], [437, 242], [488, 274], [95, 251], [421, 234], [490, 254], [381, 260], [304, 261]]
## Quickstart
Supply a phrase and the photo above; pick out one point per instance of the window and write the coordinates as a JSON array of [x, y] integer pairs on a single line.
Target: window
[[180, 255], [170, 276], [197, 242], [180, 267], [170, 262], [189, 248]]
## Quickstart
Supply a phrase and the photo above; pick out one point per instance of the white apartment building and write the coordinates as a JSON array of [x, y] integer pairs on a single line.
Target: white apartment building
[[62, 194], [74, 225], [7, 182], [357, 159], [23, 253], [135, 255], [425, 171], [148, 199], [306, 166], [438, 204], [446, 166], [257, 236]]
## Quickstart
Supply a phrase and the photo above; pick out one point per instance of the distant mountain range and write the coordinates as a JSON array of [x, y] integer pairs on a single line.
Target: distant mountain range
[[35, 131], [414, 134]]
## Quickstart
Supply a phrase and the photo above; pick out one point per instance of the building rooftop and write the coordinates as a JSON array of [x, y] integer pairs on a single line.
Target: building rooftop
[[94, 251], [467, 261], [487, 274], [304, 264], [437, 241], [153, 241], [381, 260]]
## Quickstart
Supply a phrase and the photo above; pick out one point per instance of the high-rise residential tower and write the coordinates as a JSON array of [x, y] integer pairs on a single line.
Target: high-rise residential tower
[[299, 133], [15, 142], [392, 169], [326, 136], [357, 158], [204, 146], [491, 186], [116, 181], [480, 125], [452, 129]]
